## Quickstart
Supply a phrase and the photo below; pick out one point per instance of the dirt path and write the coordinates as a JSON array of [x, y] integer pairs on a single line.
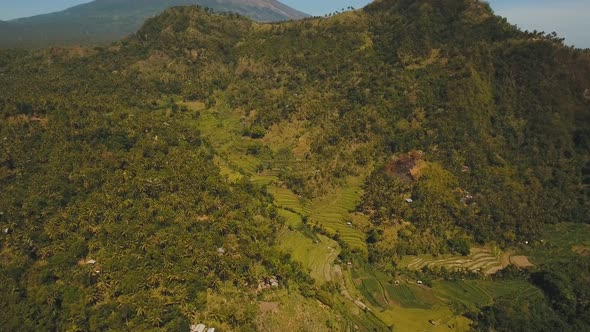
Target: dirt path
[[383, 292]]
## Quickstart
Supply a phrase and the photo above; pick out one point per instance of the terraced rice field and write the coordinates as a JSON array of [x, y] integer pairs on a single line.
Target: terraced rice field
[[331, 213], [405, 295], [265, 178], [315, 252], [286, 199], [226, 171], [244, 163], [405, 305], [220, 128], [380, 292], [481, 292], [478, 260], [374, 292]]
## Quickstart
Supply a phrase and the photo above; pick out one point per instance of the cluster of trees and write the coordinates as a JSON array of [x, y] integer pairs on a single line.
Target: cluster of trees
[[113, 217], [563, 306]]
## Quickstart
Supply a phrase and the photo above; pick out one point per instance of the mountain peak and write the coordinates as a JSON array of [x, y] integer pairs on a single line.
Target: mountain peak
[[108, 20]]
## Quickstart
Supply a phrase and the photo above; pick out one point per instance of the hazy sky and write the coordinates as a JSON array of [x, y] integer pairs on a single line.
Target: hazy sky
[[569, 18]]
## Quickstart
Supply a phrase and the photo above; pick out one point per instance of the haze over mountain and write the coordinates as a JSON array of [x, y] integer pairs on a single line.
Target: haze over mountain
[[107, 20]]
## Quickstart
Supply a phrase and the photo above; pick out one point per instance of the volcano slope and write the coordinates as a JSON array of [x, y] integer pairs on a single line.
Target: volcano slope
[[104, 21], [171, 178]]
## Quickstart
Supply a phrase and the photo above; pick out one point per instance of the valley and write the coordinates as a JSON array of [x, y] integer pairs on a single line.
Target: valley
[[367, 298]]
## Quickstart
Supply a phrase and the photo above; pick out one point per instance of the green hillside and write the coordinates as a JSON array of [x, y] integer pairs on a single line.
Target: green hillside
[[414, 165]]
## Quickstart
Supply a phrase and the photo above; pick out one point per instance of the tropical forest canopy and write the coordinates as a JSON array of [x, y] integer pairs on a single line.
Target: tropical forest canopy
[[146, 185]]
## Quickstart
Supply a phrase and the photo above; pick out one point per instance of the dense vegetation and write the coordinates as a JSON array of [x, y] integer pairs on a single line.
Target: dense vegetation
[[138, 193], [462, 129], [564, 306]]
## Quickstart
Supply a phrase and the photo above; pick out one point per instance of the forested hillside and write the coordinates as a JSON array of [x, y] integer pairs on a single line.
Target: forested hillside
[[299, 175]]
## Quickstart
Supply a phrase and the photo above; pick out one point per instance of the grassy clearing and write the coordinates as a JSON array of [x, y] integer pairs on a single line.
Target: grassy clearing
[[296, 313]]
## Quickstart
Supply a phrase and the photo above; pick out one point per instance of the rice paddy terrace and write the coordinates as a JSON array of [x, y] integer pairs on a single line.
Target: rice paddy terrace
[[479, 260], [315, 252]]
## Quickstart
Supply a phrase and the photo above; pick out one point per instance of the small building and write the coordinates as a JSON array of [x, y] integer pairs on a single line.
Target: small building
[[349, 223], [273, 282], [397, 282], [221, 250], [419, 282], [90, 262], [211, 329], [409, 200]]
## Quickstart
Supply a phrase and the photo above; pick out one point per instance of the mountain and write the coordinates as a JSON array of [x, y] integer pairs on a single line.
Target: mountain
[[102, 21], [414, 165]]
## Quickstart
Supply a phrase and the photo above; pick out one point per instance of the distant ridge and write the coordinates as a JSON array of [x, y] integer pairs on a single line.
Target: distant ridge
[[103, 21]]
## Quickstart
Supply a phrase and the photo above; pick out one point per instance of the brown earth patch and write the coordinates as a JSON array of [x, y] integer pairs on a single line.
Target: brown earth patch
[[195, 105], [203, 218], [581, 250], [269, 307], [406, 167], [521, 261]]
